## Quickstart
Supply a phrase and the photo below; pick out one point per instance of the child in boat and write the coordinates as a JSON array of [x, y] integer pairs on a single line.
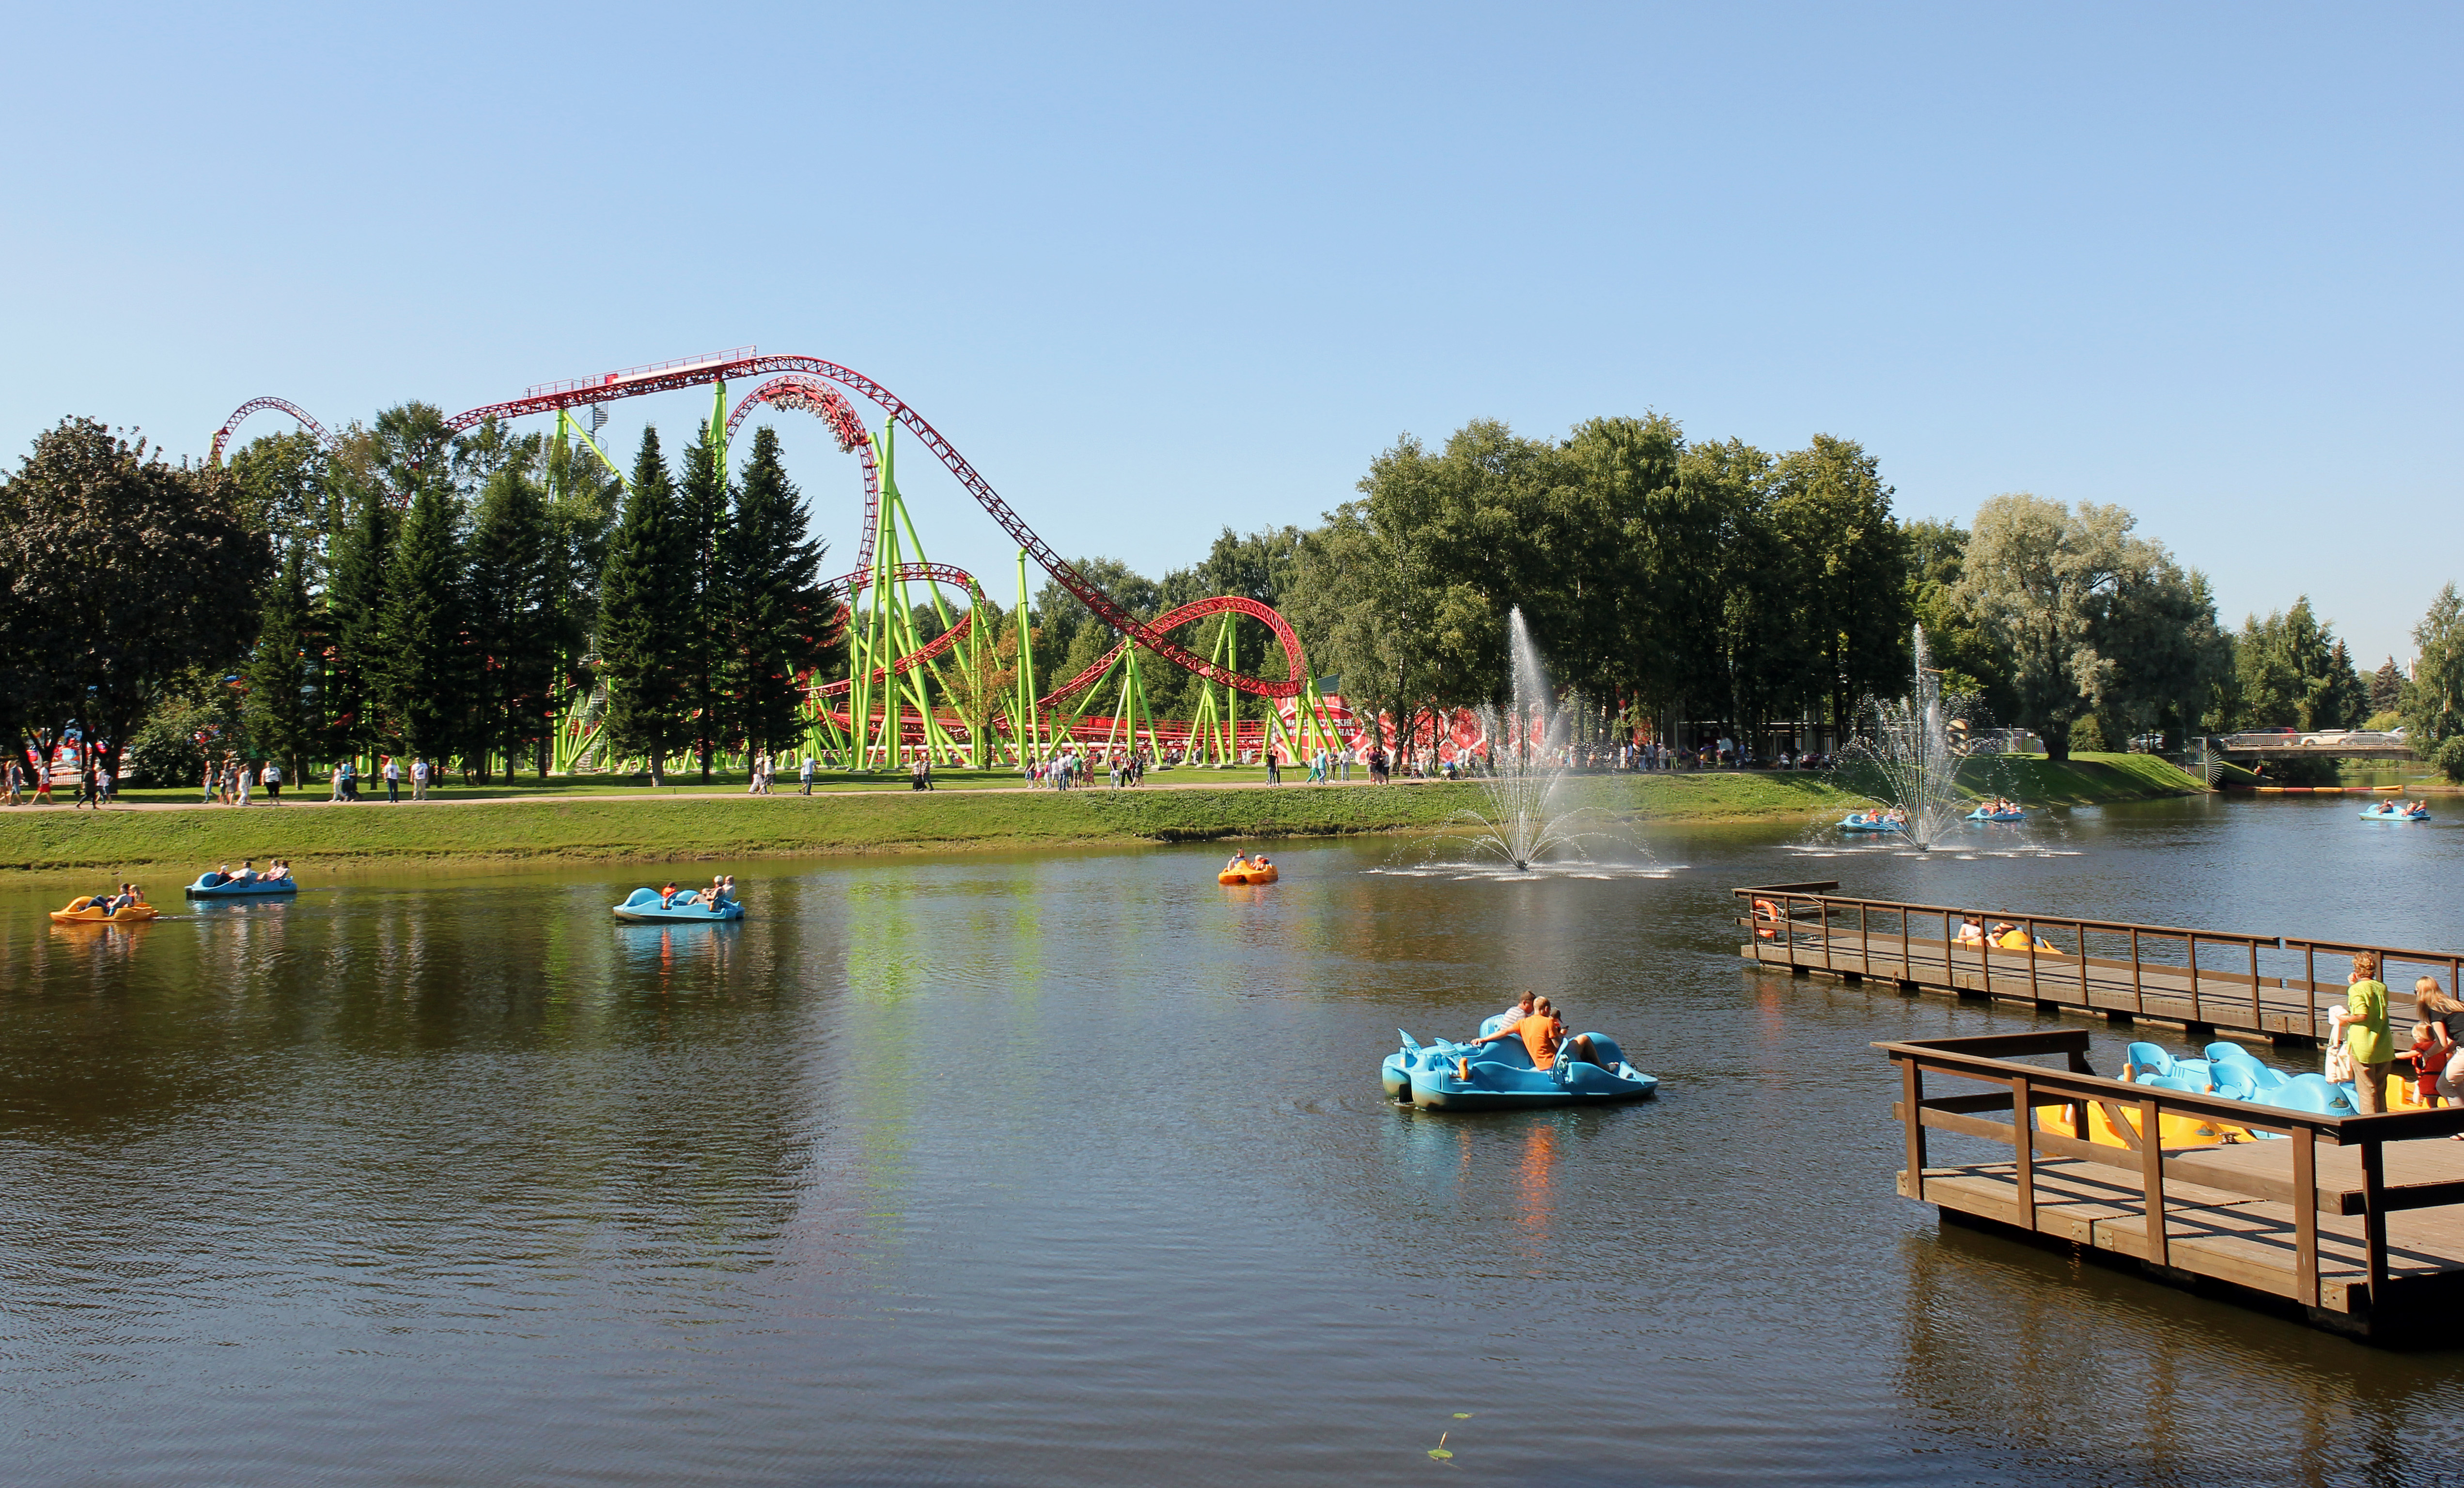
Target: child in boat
[[727, 890], [668, 895]]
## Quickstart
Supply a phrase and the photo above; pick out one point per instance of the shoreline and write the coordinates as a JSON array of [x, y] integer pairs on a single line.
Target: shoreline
[[156, 839]]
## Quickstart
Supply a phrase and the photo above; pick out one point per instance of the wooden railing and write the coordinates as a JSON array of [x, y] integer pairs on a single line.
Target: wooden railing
[[1803, 926], [1992, 1059]]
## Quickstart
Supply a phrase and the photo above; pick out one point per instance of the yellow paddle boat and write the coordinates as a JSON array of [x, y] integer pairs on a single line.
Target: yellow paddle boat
[[86, 909]]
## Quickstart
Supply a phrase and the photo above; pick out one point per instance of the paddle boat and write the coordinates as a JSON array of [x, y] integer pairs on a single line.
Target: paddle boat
[[1870, 821], [2228, 1071], [234, 888], [2388, 810], [1499, 1076], [90, 909], [642, 907], [1987, 813], [1255, 872]]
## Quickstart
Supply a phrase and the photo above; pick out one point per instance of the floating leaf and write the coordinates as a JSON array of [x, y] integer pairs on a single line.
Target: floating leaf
[[1463, 1415], [1439, 1453]]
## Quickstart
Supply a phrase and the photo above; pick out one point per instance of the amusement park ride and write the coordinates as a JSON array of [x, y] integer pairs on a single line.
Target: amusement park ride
[[906, 697]]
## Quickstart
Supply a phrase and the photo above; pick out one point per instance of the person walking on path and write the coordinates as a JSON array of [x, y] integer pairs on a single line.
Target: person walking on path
[[805, 769], [14, 778], [85, 795], [394, 781], [423, 774], [105, 784], [1274, 772], [2362, 1023], [272, 782], [241, 794]]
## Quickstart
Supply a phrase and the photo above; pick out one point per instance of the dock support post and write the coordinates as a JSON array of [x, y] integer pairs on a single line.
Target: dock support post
[[2151, 1179], [2374, 1219], [1911, 1096], [2023, 1122], [2306, 1213]]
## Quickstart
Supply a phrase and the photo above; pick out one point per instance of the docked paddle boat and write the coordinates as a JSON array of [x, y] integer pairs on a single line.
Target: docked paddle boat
[[1255, 872], [642, 907], [1984, 814], [1870, 821], [91, 909], [2387, 810], [1499, 1076], [213, 885]]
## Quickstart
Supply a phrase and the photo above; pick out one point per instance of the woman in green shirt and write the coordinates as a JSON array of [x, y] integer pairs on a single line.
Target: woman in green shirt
[[2365, 1021]]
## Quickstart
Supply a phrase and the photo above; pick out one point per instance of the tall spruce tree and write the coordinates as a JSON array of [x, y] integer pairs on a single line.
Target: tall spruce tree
[[425, 634], [280, 709], [702, 491], [352, 687], [784, 618], [644, 600], [513, 618]]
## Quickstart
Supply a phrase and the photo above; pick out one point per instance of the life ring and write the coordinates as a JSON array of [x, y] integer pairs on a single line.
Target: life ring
[[1767, 915]]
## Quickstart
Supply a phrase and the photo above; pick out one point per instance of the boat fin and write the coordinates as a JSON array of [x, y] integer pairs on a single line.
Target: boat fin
[[1409, 1042]]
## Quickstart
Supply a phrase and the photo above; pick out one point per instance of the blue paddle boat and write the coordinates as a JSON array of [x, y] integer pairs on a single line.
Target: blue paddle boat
[[2387, 811], [234, 888], [1982, 814], [642, 907], [1869, 821], [1499, 1076]]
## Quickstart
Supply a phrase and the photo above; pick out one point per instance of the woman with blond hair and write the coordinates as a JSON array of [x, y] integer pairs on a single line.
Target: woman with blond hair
[[2361, 1024]]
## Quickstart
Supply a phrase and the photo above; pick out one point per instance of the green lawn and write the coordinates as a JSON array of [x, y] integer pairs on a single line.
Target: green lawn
[[718, 823]]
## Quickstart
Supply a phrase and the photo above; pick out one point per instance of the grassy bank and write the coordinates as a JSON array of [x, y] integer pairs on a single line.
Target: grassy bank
[[696, 827]]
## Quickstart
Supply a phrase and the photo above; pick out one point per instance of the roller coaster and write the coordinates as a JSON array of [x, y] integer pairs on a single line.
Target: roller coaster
[[910, 695]]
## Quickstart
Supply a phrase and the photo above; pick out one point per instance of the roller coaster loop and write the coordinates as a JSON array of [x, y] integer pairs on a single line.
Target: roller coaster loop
[[222, 435]]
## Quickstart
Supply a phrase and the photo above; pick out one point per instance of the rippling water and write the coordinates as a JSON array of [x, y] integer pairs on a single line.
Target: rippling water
[[1074, 1170]]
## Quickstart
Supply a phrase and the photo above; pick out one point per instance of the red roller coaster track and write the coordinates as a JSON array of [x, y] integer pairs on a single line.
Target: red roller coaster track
[[734, 368], [222, 435]]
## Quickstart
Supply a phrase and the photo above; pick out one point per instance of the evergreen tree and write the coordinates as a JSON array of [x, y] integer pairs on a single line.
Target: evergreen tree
[[355, 605], [2386, 688], [643, 614], [513, 615], [425, 634], [784, 617], [280, 711], [702, 490]]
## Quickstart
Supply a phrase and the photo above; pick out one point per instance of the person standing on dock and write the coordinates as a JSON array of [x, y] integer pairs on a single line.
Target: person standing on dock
[[2363, 1021]]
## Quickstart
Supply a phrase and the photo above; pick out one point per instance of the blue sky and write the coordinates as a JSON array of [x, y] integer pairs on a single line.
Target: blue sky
[[1158, 270]]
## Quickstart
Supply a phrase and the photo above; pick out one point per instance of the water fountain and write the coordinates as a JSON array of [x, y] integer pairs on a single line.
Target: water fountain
[[1908, 763], [1521, 819]]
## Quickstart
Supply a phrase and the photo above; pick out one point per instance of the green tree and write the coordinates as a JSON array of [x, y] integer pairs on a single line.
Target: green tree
[[784, 618], [124, 573], [356, 589], [702, 523], [1833, 510], [2291, 671], [424, 671], [644, 596], [2434, 700], [280, 710], [2386, 688], [513, 614], [281, 480]]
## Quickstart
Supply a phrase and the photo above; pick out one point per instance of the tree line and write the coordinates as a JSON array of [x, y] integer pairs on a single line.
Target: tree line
[[403, 591]]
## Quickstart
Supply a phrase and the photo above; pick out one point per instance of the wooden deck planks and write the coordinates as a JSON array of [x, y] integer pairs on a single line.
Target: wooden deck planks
[[2246, 1241], [2223, 1000]]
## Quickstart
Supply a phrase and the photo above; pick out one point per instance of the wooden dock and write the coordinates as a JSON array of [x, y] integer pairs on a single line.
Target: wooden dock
[[2200, 980], [2353, 1224]]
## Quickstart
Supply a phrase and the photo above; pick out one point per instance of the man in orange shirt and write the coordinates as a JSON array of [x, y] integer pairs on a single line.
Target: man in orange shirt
[[1543, 1035]]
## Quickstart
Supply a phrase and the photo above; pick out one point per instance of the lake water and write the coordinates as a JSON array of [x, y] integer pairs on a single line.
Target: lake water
[[1074, 1170]]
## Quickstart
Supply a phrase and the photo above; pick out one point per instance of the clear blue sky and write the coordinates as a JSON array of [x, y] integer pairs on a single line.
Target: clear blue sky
[[1157, 270]]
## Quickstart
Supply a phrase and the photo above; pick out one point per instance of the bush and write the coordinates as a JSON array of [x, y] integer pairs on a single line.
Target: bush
[[2447, 759], [2384, 722], [165, 751]]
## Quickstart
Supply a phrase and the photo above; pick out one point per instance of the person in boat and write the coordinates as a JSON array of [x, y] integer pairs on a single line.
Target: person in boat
[[668, 895], [710, 897], [247, 871], [219, 877], [276, 871], [1239, 862], [1262, 861], [727, 891], [1521, 1010], [1544, 1035], [2010, 937], [1971, 931]]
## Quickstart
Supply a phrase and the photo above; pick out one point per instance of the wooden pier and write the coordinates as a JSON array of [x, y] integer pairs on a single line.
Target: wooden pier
[[2280, 988], [2354, 1223]]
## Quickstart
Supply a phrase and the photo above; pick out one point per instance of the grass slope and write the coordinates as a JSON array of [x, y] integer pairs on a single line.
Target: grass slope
[[723, 827]]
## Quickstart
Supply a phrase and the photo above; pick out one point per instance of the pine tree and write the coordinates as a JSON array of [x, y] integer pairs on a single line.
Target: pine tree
[[783, 618], [643, 595], [702, 487], [355, 603], [280, 709], [425, 634], [513, 611]]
